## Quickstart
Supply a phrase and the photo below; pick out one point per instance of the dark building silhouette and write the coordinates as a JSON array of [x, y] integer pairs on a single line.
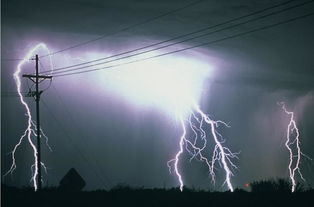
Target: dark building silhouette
[[72, 181]]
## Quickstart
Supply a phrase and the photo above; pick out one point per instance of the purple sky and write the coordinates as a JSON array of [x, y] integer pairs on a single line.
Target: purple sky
[[109, 139]]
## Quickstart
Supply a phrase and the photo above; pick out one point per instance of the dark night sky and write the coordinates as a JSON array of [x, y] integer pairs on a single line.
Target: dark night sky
[[110, 139]]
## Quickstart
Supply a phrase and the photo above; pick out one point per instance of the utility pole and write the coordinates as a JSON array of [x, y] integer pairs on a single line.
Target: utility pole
[[37, 79]]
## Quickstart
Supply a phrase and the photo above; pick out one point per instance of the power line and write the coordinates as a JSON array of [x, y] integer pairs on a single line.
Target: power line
[[196, 46], [78, 128], [12, 94], [11, 59], [71, 141], [126, 28], [42, 65], [9, 92], [185, 35]]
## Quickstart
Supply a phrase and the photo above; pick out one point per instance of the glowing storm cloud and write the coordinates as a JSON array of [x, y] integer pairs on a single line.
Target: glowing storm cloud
[[175, 85]]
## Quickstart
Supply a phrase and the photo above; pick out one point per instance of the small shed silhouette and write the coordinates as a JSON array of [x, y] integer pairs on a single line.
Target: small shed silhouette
[[72, 181]]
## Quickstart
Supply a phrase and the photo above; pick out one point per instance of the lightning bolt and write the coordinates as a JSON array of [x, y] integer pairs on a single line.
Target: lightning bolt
[[220, 154], [31, 126], [293, 139], [195, 145]]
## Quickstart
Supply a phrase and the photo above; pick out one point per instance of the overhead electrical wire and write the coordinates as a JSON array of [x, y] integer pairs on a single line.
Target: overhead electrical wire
[[195, 46], [126, 28], [11, 59], [12, 94], [71, 140], [75, 124], [188, 34]]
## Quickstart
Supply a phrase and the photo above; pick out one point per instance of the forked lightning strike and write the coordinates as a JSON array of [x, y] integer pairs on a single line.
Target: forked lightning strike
[[220, 154], [31, 127], [197, 124], [294, 155]]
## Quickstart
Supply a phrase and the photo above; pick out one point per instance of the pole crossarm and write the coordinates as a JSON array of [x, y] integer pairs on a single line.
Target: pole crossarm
[[39, 76]]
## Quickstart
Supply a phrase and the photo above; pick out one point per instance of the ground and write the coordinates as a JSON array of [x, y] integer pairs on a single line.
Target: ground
[[152, 197]]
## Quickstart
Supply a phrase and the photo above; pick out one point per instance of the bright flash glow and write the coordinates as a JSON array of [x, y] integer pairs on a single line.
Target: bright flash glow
[[31, 127], [293, 141], [175, 84], [172, 84]]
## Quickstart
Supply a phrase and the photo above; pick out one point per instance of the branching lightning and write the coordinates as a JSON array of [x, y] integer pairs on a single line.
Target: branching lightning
[[176, 90], [221, 154], [293, 141], [30, 130], [198, 130]]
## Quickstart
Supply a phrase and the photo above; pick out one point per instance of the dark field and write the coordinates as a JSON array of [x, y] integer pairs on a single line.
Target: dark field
[[125, 196]]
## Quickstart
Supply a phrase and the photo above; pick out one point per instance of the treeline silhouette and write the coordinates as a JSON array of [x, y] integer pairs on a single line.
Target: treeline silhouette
[[262, 193]]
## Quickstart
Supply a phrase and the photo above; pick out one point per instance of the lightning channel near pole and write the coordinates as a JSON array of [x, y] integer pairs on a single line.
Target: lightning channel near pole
[[31, 130]]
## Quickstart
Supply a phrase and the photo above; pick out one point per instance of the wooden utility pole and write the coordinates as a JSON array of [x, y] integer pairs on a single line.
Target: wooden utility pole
[[37, 79]]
